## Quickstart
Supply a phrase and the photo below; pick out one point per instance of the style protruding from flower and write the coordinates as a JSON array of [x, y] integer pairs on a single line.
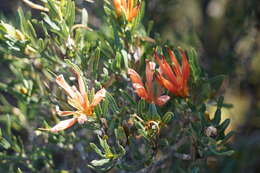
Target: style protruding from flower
[[175, 77], [79, 100], [128, 8], [146, 91]]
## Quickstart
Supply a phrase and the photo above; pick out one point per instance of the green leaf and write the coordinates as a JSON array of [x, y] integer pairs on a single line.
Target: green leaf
[[104, 145], [140, 15], [125, 58], [120, 134], [23, 21], [153, 112], [227, 137], [70, 13], [167, 117], [73, 66], [52, 24], [221, 153], [216, 82], [4, 143], [124, 94], [194, 64], [217, 117], [220, 101], [112, 103], [19, 170], [96, 149], [224, 125], [84, 17], [101, 162], [53, 10], [141, 107], [118, 60]]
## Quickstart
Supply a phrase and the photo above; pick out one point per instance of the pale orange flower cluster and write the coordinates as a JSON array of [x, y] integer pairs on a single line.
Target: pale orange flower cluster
[[126, 8], [79, 100]]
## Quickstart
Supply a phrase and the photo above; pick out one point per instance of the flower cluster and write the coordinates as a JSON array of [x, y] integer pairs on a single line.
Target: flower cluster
[[146, 91], [174, 78], [127, 8], [79, 100]]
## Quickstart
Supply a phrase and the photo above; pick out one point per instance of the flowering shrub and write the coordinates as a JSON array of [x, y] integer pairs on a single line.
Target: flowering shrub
[[150, 109]]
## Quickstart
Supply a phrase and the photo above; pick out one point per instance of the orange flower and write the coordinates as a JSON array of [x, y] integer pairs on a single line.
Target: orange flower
[[174, 78], [79, 100], [126, 7], [146, 92]]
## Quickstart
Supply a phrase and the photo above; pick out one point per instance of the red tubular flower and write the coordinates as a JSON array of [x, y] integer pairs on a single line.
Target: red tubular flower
[[174, 78], [147, 92], [126, 7], [79, 100]]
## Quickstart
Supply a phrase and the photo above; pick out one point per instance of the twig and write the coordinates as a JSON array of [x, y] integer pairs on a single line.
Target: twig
[[35, 6]]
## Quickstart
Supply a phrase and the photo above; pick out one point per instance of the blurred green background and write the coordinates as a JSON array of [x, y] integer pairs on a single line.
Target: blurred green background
[[226, 34]]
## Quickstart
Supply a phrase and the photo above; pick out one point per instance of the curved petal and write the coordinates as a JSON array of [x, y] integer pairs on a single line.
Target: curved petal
[[160, 101], [176, 65], [133, 13], [100, 95], [78, 97], [167, 84], [117, 5], [185, 68], [74, 103], [150, 67], [62, 125], [82, 88], [65, 113], [166, 69], [135, 76], [124, 4], [140, 91], [62, 83]]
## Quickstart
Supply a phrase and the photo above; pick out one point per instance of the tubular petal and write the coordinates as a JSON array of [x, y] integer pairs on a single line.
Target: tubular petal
[[66, 113], [124, 4], [135, 77], [117, 4], [185, 68], [62, 83], [78, 97], [62, 125], [100, 95], [133, 13], [140, 90], [82, 88], [160, 101], [167, 84], [150, 67], [176, 65], [166, 69]]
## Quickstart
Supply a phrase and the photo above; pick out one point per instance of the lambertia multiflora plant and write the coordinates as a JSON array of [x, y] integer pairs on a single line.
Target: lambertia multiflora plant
[[82, 97]]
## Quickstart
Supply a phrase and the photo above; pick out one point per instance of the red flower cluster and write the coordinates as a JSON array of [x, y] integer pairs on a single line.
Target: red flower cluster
[[146, 91], [174, 78]]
